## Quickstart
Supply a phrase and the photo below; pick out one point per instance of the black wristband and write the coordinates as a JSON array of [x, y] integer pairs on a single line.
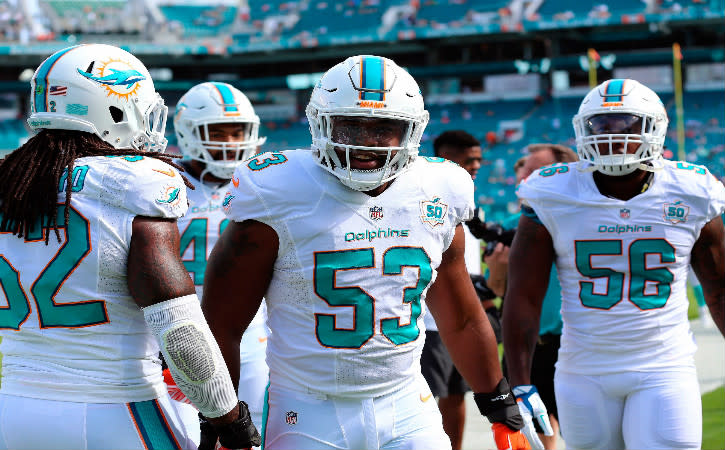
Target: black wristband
[[241, 433], [500, 406]]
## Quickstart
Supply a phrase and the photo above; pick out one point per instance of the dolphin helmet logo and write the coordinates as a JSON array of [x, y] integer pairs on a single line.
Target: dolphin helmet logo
[[118, 77]]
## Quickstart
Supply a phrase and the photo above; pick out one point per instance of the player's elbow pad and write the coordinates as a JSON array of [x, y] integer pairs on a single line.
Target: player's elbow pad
[[192, 354]]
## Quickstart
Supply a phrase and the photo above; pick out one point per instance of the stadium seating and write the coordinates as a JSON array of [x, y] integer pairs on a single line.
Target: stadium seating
[[548, 121], [96, 17], [201, 20]]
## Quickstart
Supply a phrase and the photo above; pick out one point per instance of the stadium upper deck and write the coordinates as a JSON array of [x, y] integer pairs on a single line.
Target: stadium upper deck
[[450, 46]]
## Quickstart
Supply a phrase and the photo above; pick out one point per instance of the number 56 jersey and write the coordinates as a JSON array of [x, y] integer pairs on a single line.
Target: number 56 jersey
[[71, 330], [623, 264], [344, 303]]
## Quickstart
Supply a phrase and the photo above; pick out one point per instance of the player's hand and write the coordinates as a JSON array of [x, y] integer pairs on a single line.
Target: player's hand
[[508, 439], [239, 434], [174, 391], [531, 407], [209, 436]]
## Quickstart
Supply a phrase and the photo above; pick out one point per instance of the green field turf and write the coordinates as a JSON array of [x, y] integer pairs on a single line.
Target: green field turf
[[713, 420]]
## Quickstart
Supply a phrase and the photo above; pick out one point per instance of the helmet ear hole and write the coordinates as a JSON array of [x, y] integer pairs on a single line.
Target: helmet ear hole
[[116, 114]]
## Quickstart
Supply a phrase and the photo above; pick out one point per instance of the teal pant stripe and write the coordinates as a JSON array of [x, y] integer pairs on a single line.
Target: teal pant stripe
[[614, 91], [373, 77], [265, 414], [152, 426], [40, 96], [227, 97]]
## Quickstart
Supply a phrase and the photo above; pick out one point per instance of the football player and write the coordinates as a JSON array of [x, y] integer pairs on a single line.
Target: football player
[[622, 226], [343, 241], [91, 274], [216, 130]]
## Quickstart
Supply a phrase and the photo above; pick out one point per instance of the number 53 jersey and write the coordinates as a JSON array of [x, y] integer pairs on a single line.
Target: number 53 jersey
[[344, 303], [623, 264], [71, 330]]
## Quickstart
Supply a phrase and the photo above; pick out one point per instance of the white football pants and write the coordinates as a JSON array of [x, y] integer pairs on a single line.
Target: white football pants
[[635, 410]]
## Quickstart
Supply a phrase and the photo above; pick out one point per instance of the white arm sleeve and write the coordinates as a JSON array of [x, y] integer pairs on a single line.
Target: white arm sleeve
[[192, 354]]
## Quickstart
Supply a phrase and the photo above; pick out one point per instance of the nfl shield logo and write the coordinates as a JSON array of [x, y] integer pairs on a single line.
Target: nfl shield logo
[[291, 418], [376, 212], [624, 213]]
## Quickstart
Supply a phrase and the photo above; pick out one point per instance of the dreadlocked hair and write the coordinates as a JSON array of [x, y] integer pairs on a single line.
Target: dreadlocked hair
[[32, 175]]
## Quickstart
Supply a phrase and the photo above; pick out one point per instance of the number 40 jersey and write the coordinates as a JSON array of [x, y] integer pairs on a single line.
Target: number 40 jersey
[[623, 264], [344, 303], [200, 229]]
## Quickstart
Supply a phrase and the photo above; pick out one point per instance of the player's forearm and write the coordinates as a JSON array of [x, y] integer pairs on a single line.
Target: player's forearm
[[475, 353], [716, 304], [520, 331], [226, 327]]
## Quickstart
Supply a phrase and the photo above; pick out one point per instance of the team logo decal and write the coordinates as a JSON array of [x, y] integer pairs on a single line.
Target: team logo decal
[[433, 212], [227, 203], [118, 77], [376, 212], [675, 212], [624, 213], [169, 195], [291, 418]]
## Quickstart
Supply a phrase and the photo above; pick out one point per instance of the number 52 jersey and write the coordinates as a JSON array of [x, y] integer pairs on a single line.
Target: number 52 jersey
[[71, 330], [344, 303], [623, 264]]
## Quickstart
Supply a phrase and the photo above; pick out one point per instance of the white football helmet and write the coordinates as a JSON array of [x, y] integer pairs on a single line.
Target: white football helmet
[[366, 86], [211, 103], [614, 114], [102, 90]]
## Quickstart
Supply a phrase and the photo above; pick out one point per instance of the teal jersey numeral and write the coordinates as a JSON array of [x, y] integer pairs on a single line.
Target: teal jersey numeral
[[687, 166], [662, 276], [639, 273], [77, 180], [265, 160], [196, 233], [76, 247], [394, 259], [393, 262], [553, 170], [615, 280], [326, 264], [18, 309], [129, 158]]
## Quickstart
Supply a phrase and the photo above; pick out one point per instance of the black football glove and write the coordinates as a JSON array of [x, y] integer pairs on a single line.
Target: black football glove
[[235, 435]]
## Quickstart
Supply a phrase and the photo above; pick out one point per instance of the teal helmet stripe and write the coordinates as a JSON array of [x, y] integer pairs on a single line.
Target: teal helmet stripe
[[372, 76], [40, 96], [614, 91], [230, 105]]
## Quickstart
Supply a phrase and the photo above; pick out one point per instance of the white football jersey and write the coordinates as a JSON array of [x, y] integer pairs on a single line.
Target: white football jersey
[[200, 229], [623, 264], [70, 328], [344, 304]]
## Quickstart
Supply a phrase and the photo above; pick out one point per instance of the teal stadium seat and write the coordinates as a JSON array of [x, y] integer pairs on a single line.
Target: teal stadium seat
[[201, 20]]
